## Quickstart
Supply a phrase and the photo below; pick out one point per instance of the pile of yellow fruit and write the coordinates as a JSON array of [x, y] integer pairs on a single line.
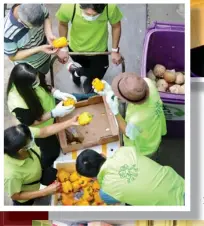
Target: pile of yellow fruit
[[69, 102], [98, 85], [73, 183], [85, 118]]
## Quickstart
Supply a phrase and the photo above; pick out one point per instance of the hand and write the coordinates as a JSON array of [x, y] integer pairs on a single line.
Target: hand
[[107, 88], [62, 96], [63, 55], [74, 121], [48, 49], [50, 38], [116, 58], [113, 102], [75, 69], [61, 111], [52, 188]]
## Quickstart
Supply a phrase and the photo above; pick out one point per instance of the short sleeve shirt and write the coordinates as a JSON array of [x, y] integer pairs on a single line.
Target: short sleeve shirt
[[18, 107], [17, 173], [86, 36], [148, 120], [17, 37]]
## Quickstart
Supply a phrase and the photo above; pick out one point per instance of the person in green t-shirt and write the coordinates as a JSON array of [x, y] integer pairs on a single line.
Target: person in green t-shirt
[[89, 33], [22, 167], [145, 122], [131, 178], [33, 103]]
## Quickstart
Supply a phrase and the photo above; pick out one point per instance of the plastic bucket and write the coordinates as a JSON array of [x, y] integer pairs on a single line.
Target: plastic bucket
[[164, 44]]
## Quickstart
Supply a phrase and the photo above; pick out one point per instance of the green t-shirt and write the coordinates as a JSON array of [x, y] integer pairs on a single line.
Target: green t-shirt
[[47, 100], [149, 119], [86, 36], [20, 172], [132, 178]]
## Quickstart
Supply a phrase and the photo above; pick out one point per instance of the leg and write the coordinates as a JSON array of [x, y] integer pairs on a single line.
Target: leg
[[84, 62], [98, 67], [50, 150]]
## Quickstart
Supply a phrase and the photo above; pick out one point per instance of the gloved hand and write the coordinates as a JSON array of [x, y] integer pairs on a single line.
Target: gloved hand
[[113, 102], [61, 111], [107, 88], [75, 69], [62, 96]]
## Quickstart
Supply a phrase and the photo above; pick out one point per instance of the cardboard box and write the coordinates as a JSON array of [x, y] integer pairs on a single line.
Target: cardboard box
[[197, 23], [69, 167], [103, 128]]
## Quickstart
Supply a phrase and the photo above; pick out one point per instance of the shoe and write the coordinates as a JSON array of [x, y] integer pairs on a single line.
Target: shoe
[[77, 71], [76, 80], [87, 87]]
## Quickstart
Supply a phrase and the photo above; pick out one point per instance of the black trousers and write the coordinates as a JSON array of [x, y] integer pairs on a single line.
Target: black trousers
[[94, 67], [50, 150], [27, 203]]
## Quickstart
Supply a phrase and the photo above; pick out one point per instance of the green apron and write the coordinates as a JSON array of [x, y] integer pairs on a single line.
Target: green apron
[[150, 120], [132, 178], [47, 100]]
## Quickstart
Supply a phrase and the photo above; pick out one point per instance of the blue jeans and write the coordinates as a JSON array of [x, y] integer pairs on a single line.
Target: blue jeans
[[107, 198]]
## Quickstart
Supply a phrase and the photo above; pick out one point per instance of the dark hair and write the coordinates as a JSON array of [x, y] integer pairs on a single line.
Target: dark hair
[[89, 162], [23, 76], [96, 7], [15, 138]]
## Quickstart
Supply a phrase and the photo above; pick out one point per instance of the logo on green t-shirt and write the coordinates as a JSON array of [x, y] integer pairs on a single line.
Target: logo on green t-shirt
[[128, 172]]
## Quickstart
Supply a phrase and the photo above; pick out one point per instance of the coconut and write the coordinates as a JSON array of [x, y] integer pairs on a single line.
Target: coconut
[[182, 89], [151, 75], [180, 78], [162, 85], [170, 76], [175, 89], [159, 70]]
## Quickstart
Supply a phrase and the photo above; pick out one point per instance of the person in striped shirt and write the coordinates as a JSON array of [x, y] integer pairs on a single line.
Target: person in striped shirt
[[28, 36]]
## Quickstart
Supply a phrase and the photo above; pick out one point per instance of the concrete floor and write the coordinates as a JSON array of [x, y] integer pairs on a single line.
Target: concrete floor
[[136, 19]]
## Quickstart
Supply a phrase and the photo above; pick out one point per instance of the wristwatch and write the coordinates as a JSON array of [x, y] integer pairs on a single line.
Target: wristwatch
[[116, 50]]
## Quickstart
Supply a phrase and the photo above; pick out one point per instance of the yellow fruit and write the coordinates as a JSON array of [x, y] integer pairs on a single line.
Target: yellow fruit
[[66, 187], [97, 198], [82, 203], [87, 196], [88, 190], [96, 186], [84, 118], [76, 186], [68, 200], [69, 102], [63, 175], [60, 42], [98, 85], [74, 176]]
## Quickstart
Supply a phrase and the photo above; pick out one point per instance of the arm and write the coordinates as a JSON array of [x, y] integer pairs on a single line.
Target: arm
[[29, 195], [116, 33], [63, 29], [22, 54], [121, 123], [56, 128]]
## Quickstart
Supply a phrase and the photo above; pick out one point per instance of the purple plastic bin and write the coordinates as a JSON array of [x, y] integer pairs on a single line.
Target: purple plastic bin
[[164, 44]]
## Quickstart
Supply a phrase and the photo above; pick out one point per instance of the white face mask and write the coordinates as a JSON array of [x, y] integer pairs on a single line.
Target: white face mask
[[90, 18]]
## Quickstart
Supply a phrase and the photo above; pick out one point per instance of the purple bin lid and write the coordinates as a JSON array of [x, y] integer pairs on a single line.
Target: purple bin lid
[[157, 33]]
